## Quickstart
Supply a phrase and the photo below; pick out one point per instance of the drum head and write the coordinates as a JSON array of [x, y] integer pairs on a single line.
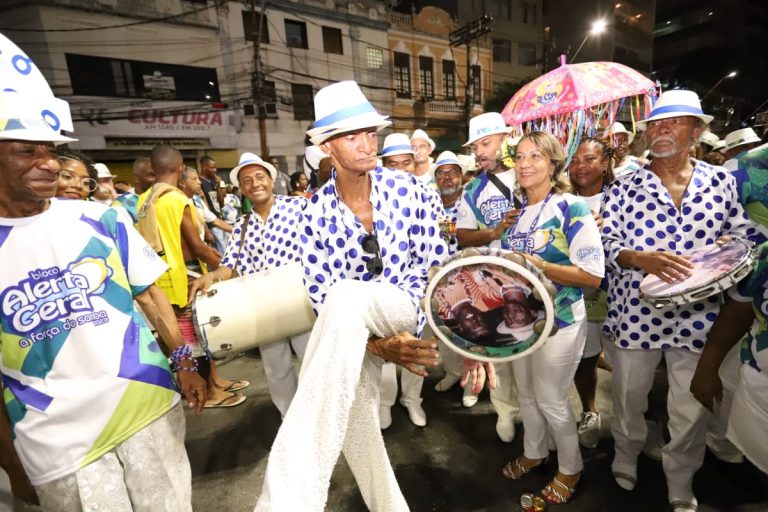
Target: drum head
[[710, 264], [489, 308]]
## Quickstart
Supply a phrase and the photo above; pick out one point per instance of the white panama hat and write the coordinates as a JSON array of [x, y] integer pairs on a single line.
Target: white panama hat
[[396, 144], [421, 134], [28, 108], [342, 107], [484, 125], [247, 159], [709, 138], [102, 171], [676, 103], [740, 137], [617, 127], [720, 146], [449, 158], [312, 157]]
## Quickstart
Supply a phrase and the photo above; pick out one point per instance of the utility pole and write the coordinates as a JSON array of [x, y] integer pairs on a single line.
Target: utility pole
[[465, 35], [257, 79]]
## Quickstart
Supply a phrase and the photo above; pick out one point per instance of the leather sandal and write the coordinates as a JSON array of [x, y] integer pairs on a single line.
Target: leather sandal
[[555, 490], [513, 470]]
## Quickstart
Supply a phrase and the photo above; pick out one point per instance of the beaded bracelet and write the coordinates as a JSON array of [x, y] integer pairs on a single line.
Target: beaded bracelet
[[183, 353]]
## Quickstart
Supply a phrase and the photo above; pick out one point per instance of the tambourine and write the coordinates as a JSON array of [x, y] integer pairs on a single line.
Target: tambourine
[[490, 305], [715, 269]]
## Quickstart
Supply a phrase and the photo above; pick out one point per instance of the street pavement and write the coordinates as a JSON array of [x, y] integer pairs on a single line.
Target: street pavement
[[452, 464]]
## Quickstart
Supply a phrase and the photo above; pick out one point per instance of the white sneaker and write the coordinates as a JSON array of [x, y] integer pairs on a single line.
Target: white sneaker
[[469, 399], [385, 417], [447, 382], [505, 430], [589, 430], [654, 441], [416, 414]]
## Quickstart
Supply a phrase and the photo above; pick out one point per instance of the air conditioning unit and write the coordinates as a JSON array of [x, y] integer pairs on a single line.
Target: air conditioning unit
[[270, 110], [249, 109]]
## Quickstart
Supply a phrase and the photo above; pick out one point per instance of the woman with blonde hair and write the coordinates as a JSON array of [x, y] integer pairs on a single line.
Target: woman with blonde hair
[[557, 233]]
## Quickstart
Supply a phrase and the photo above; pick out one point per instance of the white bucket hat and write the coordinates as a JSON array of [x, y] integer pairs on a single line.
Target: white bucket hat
[[676, 103], [247, 159], [312, 157], [484, 125], [740, 137], [617, 127], [28, 108], [102, 171], [396, 144], [709, 138], [342, 107], [449, 158], [421, 134]]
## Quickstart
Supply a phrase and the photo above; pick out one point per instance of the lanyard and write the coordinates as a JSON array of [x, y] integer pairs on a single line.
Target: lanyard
[[527, 236]]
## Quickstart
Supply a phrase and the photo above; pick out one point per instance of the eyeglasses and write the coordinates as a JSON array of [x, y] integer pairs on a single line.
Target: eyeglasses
[[452, 173], [69, 177], [371, 245]]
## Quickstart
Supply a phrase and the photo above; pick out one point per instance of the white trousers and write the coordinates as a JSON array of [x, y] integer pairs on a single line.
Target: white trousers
[[505, 397], [410, 382], [632, 381], [717, 428], [543, 381], [336, 406], [748, 426], [279, 370]]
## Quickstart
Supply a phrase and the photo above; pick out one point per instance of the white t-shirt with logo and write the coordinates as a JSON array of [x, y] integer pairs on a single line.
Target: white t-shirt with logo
[[81, 371]]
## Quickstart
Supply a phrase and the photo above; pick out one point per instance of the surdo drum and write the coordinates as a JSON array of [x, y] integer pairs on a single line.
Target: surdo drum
[[715, 269], [490, 305], [240, 314]]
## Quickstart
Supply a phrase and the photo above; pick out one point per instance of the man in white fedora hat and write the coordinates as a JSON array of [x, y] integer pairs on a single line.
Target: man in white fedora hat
[[423, 146], [263, 239], [667, 208], [367, 241], [737, 143], [485, 211], [91, 417], [624, 164]]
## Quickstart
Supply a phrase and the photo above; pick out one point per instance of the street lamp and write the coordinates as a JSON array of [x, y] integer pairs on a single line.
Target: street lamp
[[729, 75], [598, 27]]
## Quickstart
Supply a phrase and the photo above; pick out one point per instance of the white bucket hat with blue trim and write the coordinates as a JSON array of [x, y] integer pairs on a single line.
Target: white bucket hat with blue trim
[[484, 125], [342, 107], [449, 158], [28, 108], [396, 144], [676, 103], [247, 159]]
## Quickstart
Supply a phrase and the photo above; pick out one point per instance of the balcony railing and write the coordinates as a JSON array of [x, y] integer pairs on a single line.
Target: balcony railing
[[444, 107], [400, 18]]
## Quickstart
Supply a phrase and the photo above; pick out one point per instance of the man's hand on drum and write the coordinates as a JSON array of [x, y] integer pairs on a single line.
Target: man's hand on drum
[[666, 266], [475, 373], [407, 351], [202, 283]]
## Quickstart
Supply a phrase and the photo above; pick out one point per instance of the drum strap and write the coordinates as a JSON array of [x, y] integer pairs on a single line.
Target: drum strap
[[246, 220], [513, 201]]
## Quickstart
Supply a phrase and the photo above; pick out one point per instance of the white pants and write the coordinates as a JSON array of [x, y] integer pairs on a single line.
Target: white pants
[[410, 382], [748, 426], [336, 407], [632, 381], [543, 381], [148, 472], [505, 398], [279, 370], [718, 424]]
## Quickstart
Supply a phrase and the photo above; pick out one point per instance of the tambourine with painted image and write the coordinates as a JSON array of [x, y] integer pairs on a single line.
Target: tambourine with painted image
[[490, 305]]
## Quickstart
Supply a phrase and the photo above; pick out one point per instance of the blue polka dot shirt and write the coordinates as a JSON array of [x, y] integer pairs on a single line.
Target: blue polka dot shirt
[[639, 215], [405, 226], [267, 244]]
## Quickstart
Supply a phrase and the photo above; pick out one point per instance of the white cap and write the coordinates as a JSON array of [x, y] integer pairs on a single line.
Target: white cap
[[421, 134], [102, 171], [247, 159], [740, 137], [676, 103], [449, 158], [484, 125], [396, 144], [342, 107], [619, 128]]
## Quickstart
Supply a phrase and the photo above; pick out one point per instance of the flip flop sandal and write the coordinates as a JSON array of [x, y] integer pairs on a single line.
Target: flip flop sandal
[[554, 496], [227, 402], [237, 386]]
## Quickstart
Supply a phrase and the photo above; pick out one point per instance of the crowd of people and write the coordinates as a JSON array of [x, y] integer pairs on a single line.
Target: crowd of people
[[98, 336]]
